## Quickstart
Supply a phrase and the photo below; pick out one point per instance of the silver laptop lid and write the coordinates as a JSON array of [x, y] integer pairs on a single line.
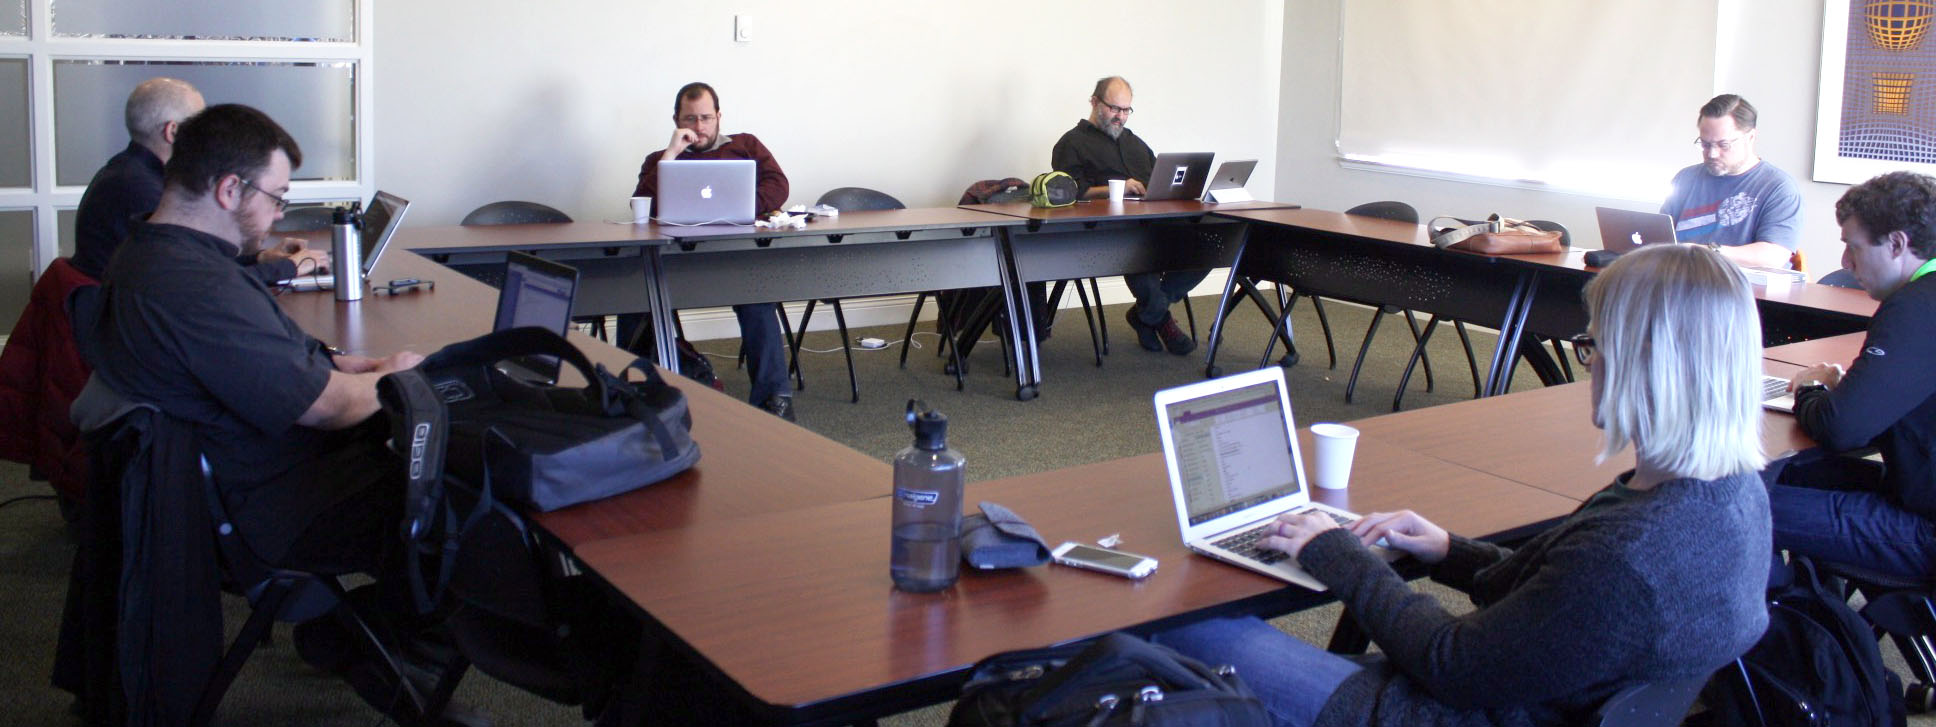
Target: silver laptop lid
[[1232, 175], [1230, 450], [1623, 230], [381, 219], [1178, 176], [707, 191]]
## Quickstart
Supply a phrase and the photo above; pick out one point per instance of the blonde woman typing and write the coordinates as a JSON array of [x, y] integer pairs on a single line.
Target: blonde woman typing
[[1659, 576]]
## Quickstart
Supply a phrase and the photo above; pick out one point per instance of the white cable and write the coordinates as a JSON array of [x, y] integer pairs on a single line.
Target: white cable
[[884, 347]]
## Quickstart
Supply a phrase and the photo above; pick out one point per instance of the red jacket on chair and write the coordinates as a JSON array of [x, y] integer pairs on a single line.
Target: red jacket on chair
[[41, 372]]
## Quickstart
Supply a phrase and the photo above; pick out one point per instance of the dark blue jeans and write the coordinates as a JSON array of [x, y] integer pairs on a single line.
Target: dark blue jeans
[[759, 331], [1291, 677], [1156, 292], [1829, 509]]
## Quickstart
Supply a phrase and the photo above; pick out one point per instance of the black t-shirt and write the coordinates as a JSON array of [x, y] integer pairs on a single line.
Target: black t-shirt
[[1092, 158], [128, 186], [185, 328]]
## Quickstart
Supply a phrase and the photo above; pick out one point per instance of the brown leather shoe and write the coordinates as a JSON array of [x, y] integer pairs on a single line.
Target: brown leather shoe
[[1174, 338]]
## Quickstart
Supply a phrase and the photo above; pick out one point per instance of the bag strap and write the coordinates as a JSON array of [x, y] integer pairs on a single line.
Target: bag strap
[[1163, 666], [629, 402], [420, 431], [1459, 231], [496, 346]]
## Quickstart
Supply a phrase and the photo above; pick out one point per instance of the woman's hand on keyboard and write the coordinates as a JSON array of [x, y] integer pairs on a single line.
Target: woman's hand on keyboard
[[1293, 529], [1405, 531]]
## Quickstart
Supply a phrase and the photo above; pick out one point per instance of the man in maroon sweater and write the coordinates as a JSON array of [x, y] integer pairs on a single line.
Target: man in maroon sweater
[[695, 111]]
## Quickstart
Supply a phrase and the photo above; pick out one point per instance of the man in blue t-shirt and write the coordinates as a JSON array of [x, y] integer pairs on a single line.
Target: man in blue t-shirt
[[1743, 207]]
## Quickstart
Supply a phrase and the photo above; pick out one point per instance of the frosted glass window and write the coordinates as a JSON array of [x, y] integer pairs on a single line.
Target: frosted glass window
[[314, 101], [16, 264], [13, 17], [311, 20], [64, 225], [16, 151]]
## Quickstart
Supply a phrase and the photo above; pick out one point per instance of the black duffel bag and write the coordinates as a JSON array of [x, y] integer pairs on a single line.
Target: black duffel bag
[[546, 447], [1117, 680]]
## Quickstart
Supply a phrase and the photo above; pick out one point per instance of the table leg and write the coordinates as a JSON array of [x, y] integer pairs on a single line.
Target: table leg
[[1210, 370], [1507, 350], [665, 327], [1021, 325]]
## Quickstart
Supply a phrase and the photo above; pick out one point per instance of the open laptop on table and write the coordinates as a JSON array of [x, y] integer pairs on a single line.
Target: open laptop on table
[[707, 192], [381, 218], [1227, 185], [1234, 467], [1624, 230], [537, 292], [1177, 176]]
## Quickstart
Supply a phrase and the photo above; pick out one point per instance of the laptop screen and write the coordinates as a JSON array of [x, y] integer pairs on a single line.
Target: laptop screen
[[536, 292], [380, 221], [1233, 450]]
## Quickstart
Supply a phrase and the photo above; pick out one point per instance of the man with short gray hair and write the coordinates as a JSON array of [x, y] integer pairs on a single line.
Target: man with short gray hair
[[129, 185]]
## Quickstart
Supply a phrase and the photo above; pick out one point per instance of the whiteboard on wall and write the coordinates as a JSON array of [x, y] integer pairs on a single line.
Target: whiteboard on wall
[[1594, 97]]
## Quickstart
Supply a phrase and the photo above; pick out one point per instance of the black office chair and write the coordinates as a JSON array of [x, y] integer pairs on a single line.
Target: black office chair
[[305, 218], [1653, 704], [514, 212], [1840, 279], [1904, 609], [845, 199]]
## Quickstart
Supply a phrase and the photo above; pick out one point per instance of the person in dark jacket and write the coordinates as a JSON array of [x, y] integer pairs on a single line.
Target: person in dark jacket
[[1657, 577], [1834, 509]]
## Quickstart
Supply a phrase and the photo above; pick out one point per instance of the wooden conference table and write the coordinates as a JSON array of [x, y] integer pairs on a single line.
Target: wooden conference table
[[768, 559], [660, 269], [1380, 261]]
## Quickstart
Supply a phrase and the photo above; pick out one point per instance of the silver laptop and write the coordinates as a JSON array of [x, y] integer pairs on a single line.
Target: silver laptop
[[537, 292], [707, 192], [1623, 230], [1774, 394], [1178, 176], [1227, 183], [1234, 467], [381, 219]]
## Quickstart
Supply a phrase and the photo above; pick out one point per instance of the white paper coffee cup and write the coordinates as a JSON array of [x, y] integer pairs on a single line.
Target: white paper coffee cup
[[641, 209], [1334, 445], [1116, 189]]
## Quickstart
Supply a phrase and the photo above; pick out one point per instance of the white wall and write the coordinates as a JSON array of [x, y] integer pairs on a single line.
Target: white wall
[[485, 100], [1772, 58]]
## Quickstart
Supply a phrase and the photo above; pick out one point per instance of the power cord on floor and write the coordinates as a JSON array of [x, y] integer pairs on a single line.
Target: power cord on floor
[[884, 346]]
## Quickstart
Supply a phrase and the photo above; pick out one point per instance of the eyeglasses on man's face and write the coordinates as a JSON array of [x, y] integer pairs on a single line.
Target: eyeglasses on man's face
[[281, 203], [1722, 146], [1122, 110], [695, 120]]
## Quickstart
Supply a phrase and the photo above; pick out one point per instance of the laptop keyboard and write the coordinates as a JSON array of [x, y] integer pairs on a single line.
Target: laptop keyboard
[[1245, 543], [1773, 386]]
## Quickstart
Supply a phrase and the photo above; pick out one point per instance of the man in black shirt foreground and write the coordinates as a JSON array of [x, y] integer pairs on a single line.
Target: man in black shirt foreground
[[285, 423], [129, 185], [1831, 508], [1101, 148]]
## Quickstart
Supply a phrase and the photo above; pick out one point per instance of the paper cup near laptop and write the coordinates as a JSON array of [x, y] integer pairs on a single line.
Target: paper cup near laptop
[[1116, 189], [1335, 445], [641, 209]]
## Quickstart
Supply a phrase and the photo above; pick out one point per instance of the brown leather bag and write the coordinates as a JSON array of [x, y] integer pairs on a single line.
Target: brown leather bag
[[1495, 236]]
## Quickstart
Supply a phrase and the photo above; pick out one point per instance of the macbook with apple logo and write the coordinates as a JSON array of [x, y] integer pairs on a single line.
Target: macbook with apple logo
[[707, 192]]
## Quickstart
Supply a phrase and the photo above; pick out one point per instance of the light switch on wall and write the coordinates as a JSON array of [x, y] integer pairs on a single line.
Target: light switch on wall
[[742, 28]]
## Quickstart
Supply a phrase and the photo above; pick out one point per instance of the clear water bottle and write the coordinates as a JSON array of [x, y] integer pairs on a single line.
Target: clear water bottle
[[346, 252], [927, 505]]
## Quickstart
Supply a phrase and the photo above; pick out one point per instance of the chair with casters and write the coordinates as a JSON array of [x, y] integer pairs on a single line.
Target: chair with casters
[[305, 218], [1840, 279]]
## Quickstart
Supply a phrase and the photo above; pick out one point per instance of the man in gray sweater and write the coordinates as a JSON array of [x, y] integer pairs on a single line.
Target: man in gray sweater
[[1657, 577]]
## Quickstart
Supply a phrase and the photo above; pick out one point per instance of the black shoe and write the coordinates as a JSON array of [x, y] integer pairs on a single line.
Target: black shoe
[[1173, 337], [780, 405], [1145, 333]]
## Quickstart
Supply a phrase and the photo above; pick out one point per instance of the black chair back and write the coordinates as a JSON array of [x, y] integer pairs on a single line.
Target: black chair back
[[1566, 238], [1386, 210], [859, 199], [1654, 704], [1840, 279], [514, 212]]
